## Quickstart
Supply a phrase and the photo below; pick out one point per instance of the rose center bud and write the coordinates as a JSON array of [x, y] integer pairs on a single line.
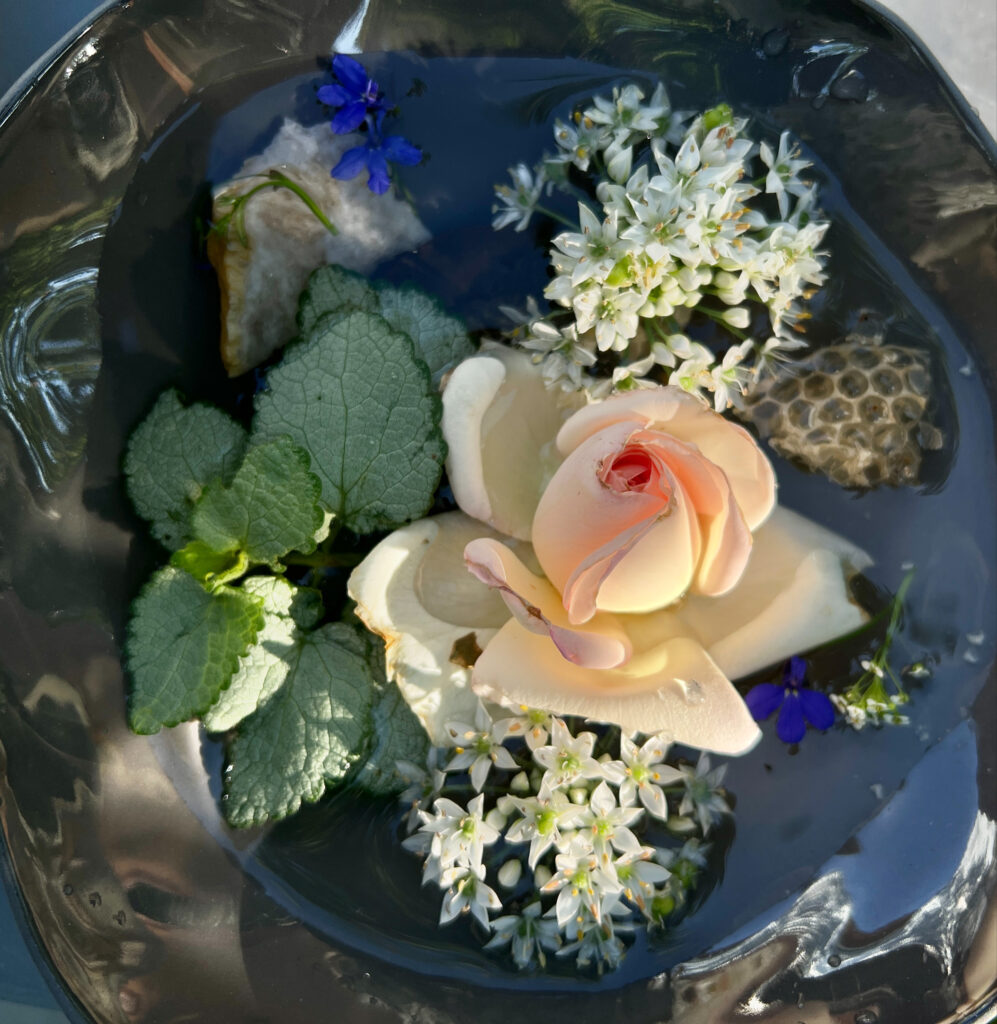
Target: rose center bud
[[633, 469]]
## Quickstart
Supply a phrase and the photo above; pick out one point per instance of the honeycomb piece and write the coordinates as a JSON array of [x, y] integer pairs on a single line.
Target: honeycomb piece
[[858, 412]]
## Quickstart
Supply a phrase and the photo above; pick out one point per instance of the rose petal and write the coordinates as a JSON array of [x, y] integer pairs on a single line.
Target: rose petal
[[726, 537], [678, 413], [500, 421], [791, 597], [624, 554], [414, 591], [536, 605], [679, 690]]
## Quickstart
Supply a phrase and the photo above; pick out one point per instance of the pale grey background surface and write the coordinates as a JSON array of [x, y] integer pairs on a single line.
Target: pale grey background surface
[[962, 35]]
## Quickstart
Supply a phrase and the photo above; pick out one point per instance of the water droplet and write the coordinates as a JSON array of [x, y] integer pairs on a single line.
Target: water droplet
[[852, 85], [866, 1017], [775, 42], [877, 790], [834, 960], [692, 691], [67, 890]]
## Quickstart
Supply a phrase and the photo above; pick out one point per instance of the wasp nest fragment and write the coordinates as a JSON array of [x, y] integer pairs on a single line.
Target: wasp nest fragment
[[858, 412]]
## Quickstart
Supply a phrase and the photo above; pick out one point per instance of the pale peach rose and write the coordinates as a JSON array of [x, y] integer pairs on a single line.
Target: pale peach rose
[[657, 496], [659, 568]]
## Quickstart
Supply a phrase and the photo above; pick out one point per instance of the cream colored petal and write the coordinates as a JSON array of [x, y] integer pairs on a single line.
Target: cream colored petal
[[677, 413], [677, 690], [612, 550], [536, 605], [500, 421], [791, 597], [659, 567], [726, 537], [414, 591]]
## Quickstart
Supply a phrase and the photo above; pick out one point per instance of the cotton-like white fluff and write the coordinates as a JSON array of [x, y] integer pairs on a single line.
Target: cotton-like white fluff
[[261, 282]]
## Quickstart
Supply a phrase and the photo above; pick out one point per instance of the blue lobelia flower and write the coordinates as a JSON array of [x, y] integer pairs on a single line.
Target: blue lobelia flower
[[798, 705], [354, 95], [374, 156]]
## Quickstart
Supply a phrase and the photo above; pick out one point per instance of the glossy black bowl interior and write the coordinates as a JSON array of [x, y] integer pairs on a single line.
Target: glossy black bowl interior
[[146, 906]]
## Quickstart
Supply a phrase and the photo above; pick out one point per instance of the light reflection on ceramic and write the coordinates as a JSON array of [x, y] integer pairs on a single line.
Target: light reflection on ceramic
[[149, 909]]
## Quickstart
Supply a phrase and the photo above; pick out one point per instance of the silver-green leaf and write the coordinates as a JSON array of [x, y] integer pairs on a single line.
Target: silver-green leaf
[[308, 734], [398, 736], [441, 339], [358, 399], [271, 507], [333, 289], [287, 610], [183, 645], [172, 455]]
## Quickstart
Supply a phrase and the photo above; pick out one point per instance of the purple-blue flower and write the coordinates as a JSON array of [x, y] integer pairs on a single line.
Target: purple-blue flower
[[354, 95], [374, 156], [797, 705]]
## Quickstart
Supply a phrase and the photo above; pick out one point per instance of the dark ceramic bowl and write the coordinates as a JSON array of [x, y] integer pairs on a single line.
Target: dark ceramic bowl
[[858, 882]]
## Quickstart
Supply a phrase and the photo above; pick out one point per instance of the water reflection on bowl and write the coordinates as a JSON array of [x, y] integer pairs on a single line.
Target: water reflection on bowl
[[148, 907]]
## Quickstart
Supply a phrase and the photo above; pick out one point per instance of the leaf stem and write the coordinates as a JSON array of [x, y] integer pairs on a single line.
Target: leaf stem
[[326, 560]]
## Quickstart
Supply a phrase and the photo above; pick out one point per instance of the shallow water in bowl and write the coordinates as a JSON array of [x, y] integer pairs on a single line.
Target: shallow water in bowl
[[337, 866]]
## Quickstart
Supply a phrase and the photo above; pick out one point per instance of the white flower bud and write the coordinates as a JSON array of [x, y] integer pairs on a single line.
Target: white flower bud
[[510, 873], [737, 316], [496, 819], [505, 805]]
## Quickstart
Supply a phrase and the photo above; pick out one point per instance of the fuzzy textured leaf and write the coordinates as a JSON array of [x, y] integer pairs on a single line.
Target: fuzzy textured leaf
[[398, 736], [287, 610], [441, 339], [356, 396], [308, 734], [271, 507], [172, 454], [183, 646], [333, 289]]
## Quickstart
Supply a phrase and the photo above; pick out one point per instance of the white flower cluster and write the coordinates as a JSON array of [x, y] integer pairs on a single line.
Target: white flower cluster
[[559, 832], [673, 223], [868, 702]]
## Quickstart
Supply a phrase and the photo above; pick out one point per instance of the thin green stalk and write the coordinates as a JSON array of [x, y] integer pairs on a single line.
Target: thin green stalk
[[275, 180], [554, 215], [718, 317]]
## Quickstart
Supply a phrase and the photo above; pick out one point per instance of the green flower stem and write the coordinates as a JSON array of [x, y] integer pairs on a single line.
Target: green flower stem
[[870, 685], [671, 327], [275, 180], [718, 317], [554, 215]]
